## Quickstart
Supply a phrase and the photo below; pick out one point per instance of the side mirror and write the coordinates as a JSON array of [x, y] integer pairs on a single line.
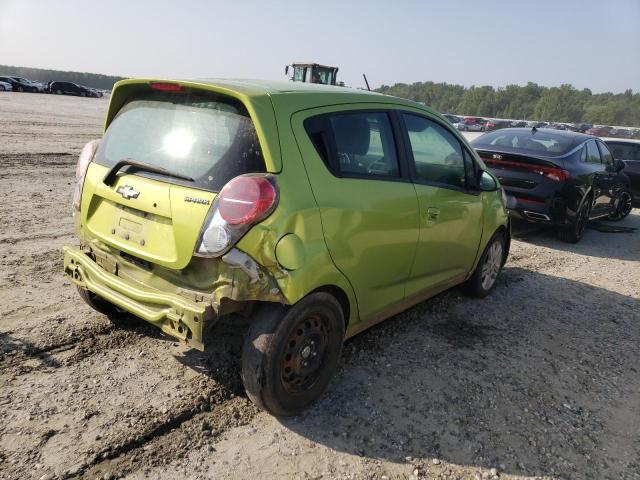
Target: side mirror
[[286, 69], [487, 182], [618, 165]]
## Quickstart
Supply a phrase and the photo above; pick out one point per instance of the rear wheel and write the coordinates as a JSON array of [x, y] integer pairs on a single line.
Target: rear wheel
[[573, 233], [290, 354], [488, 268], [58, 92], [99, 304], [623, 206]]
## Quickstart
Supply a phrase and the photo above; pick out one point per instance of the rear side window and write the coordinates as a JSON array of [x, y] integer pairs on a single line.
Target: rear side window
[[437, 154], [593, 155], [605, 154], [209, 138], [359, 144]]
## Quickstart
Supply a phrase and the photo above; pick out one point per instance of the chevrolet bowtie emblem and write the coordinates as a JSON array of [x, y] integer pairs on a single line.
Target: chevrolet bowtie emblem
[[127, 192]]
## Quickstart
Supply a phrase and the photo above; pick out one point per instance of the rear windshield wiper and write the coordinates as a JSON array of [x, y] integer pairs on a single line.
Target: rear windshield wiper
[[110, 178]]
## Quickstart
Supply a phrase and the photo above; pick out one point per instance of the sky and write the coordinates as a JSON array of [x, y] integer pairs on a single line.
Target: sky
[[588, 43]]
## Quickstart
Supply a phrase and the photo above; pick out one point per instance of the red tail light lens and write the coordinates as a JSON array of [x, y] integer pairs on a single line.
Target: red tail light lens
[[246, 199], [553, 173], [166, 87]]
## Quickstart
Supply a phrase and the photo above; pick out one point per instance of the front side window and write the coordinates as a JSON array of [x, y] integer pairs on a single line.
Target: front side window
[[437, 153], [593, 155], [206, 137]]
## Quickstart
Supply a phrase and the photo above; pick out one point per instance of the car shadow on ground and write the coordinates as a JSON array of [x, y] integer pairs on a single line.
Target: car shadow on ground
[[10, 346], [602, 239], [540, 378]]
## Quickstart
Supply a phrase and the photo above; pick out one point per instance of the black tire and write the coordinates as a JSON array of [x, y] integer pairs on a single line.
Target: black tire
[[2, 89], [489, 267], [97, 303], [574, 232], [624, 204], [58, 92], [20, 89], [280, 345]]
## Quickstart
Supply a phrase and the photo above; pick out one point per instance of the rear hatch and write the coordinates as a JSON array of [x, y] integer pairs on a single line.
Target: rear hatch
[[528, 162], [169, 149], [523, 173]]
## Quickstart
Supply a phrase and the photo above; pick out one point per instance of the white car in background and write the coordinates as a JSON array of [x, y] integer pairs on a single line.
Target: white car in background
[[5, 87]]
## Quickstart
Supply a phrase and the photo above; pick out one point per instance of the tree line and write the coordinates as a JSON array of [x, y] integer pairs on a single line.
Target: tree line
[[529, 102], [94, 80]]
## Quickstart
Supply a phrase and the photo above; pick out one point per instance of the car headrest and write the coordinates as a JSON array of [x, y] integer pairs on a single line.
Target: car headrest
[[352, 133]]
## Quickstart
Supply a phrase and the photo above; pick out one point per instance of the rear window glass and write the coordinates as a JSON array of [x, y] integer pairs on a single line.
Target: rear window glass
[[206, 137], [541, 142]]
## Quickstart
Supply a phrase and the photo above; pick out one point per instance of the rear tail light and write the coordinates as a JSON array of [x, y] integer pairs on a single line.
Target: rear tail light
[[86, 157], [242, 202], [553, 173]]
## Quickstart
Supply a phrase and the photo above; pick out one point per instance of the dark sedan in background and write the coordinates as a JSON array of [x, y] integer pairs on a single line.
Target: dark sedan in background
[[556, 177], [629, 152], [20, 84], [68, 88]]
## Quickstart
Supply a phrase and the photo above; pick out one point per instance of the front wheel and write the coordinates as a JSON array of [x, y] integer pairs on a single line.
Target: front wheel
[[623, 206], [291, 353], [488, 268]]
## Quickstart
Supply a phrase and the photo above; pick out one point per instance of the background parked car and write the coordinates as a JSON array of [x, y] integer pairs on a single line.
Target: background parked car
[[519, 124], [5, 87], [496, 125], [629, 152], [19, 84], [33, 86], [472, 124], [453, 119], [557, 177], [68, 88], [583, 127], [602, 131]]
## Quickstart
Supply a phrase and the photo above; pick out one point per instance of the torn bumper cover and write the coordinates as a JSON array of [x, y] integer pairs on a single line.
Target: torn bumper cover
[[174, 314]]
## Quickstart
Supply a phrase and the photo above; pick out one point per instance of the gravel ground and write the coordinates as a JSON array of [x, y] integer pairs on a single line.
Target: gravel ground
[[539, 380]]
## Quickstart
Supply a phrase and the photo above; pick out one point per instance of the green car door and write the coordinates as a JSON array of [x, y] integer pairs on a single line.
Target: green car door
[[451, 213], [368, 208]]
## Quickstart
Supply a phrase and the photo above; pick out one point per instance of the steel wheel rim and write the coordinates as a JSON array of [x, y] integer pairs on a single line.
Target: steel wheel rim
[[305, 353], [491, 266]]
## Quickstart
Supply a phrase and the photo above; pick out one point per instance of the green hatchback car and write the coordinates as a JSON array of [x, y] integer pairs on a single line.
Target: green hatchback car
[[320, 211]]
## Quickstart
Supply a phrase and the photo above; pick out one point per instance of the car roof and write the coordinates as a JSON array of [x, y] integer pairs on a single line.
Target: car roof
[[314, 94], [257, 87]]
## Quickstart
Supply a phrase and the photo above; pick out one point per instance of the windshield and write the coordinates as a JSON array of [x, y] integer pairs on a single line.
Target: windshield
[[539, 143], [208, 138]]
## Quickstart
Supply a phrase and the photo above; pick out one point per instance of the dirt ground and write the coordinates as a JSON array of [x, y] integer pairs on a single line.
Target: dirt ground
[[539, 380]]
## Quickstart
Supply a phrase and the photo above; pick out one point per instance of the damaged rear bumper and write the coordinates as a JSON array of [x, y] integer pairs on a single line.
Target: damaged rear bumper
[[172, 313]]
